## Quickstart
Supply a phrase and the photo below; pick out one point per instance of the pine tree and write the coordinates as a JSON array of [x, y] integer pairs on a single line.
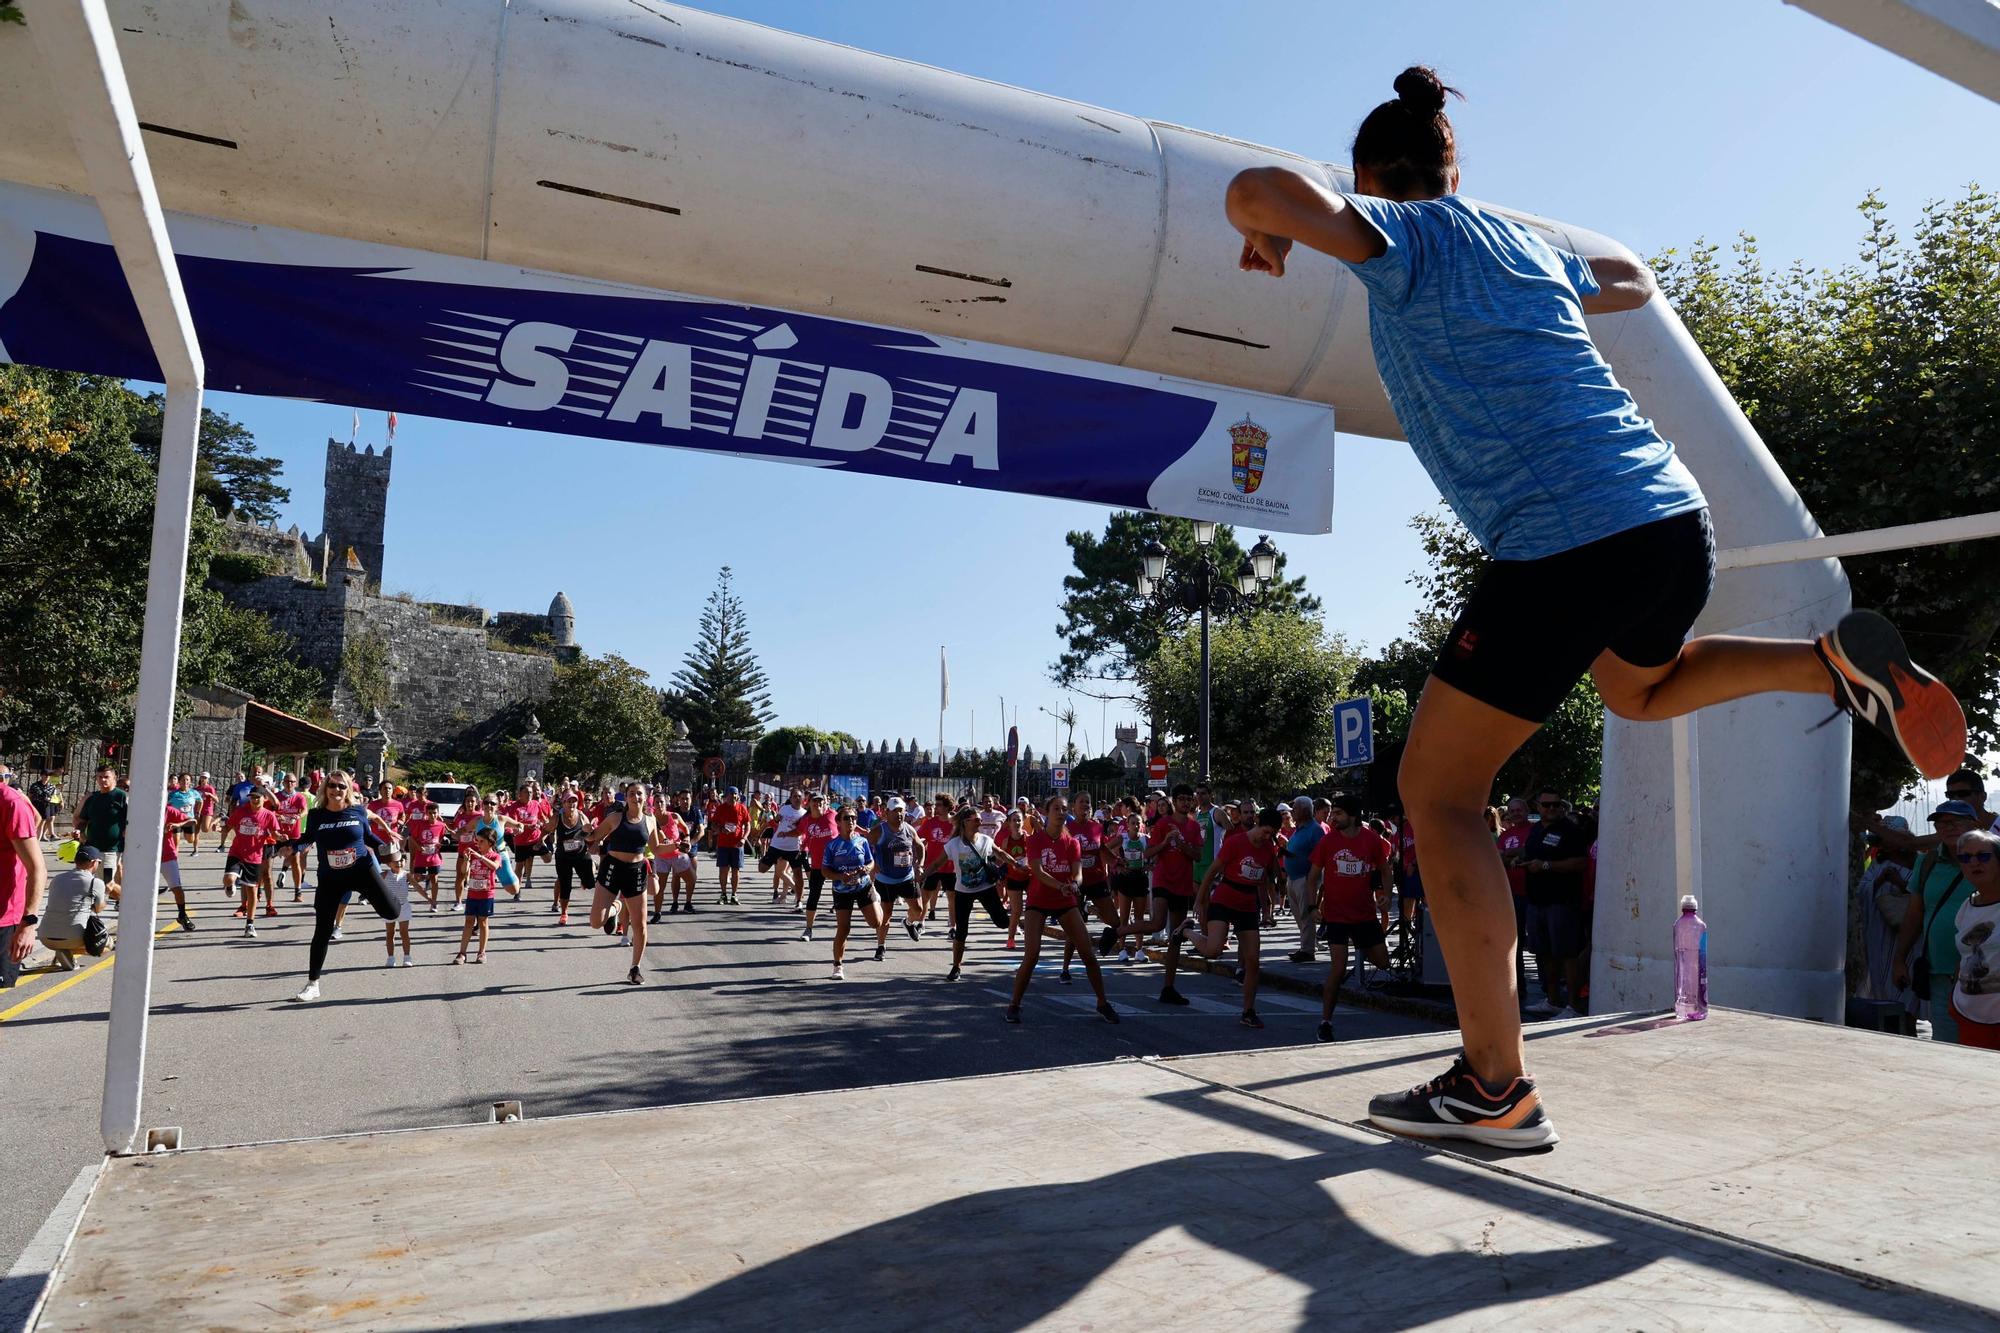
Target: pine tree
[[720, 692]]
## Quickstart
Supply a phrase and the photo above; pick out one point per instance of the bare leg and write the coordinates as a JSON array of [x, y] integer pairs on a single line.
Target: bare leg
[[1078, 936], [1031, 952], [1710, 670], [1456, 747]]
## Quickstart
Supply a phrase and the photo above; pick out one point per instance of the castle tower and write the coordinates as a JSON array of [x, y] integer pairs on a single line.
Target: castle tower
[[357, 504], [562, 621]]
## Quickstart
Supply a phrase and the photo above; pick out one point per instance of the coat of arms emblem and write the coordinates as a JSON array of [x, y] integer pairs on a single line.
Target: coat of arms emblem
[[1249, 445]]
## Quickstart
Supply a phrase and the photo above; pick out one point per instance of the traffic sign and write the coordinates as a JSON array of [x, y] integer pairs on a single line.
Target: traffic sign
[[1354, 733], [1013, 746], [1156, 768], [1059, 779]]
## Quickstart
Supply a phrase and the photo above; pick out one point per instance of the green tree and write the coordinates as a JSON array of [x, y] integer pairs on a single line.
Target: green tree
[[602, 719], [1275, 678], [1876, 386], [229, 472], [1110, 634], [720, 692], [775, 748]]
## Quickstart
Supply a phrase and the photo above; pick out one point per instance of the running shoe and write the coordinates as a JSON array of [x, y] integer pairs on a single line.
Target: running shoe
[[309, 994], [186, 922], [1875, 680], [1304, 956], [1013, 944], [562, 920], [1248, 1018], [249, 930], [916, 932], [1014, 1014], [1168, 995], [654, 919], [632, 977], [389, 960], [239, 914], [1456, 1105], [954, 975], [839, 972], [611, 923], [879, 952], [1325, 1032], [270, 910], [336, 934], [409, 961], [1065, 977], [1105, 939], [689, 907], [806, 934], [1105, 1011]]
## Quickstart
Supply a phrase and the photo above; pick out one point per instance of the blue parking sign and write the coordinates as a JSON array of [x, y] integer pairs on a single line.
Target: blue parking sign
[[1354, 733]]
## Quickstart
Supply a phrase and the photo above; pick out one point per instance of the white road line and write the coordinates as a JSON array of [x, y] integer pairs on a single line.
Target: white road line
[[27, 1280]]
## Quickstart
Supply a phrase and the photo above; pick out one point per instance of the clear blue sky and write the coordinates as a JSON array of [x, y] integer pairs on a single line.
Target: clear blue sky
[[1734, 115]]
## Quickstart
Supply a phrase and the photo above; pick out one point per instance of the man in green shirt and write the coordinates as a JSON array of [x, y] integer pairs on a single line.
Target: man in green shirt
[[101, 820], [1937, 887], [1208, 815]]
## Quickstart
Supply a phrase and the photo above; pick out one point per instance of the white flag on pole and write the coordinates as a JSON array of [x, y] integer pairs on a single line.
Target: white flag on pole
[[944, 681], [354, 436]]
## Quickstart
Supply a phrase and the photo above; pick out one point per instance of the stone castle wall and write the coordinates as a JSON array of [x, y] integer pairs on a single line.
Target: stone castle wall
[[450, 690], [288, 549]]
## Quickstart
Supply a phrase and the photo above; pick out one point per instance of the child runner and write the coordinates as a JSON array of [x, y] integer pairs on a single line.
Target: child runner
[[1013, 840], [1055, 863], [463, 821], [392, 876], [177, 818], [424, 835], [251, 829], [1231, 897], [290, 807], [1477, 324], [1129, 883], [482, 863]]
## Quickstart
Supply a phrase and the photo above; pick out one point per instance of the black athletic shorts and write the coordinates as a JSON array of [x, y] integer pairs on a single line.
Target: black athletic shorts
[[628, 878], [852, 902], [1240, 919], [940, 879], [896, 888], [1130, 883], [1093, 892], [243, 869], [1532, 628], [1363, 935], [1176, 902]]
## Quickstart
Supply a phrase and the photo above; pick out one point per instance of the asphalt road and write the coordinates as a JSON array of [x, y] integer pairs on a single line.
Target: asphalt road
[[734, 1005]]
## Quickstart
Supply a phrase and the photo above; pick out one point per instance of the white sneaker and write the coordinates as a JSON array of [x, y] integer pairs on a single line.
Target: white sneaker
[[1566, 1012], [249, 930], [1158, 936], [390, 961], [409, 961], [309, 994], [839, 973], [336, 934], [1542, 1008]]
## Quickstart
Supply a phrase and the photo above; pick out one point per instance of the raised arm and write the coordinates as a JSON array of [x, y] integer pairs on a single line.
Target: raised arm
[[1274, 206], [1624, 284]]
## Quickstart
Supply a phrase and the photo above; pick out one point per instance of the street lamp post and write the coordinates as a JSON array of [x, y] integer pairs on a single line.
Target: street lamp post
[[1197, 586]]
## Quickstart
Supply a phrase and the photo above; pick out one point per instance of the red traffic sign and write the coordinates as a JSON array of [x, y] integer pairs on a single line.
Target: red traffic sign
[[1156, 768], [1013, 746]]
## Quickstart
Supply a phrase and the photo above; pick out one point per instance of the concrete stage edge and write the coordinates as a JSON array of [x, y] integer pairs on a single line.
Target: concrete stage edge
[[1743, 1172]]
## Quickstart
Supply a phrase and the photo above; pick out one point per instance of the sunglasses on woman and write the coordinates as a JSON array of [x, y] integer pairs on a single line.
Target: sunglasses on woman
[[1981, 857]]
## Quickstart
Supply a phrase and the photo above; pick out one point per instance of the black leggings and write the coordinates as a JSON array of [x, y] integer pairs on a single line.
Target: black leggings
[[815, 881], [572, 866], [961, 910], [360, 879]]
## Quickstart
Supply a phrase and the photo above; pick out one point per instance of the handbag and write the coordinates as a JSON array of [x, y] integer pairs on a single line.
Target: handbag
[[96, 936], [1920, 965]]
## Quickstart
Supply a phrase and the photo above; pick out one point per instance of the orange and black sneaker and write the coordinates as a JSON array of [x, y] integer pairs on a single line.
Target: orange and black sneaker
[[1456, 1105], [1875, 681]]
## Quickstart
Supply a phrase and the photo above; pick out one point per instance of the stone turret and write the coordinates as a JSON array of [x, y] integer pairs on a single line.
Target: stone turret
[[562, 621], [356, 506]]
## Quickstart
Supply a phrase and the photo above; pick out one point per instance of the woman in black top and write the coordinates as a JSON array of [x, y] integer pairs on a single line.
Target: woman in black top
[[623, 833], [566, 830], [339, 828]]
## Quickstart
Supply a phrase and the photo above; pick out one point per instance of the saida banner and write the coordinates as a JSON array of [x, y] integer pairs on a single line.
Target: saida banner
[[295, 315]]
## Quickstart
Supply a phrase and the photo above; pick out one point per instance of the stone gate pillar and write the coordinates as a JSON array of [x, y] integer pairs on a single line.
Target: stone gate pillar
[[371, 752], [531, 754]]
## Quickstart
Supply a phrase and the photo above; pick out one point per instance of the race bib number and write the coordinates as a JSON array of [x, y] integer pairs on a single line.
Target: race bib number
[[428, 846], [340, 858], [729, 828], [1552, 840], [572, 844], [1250, 871], [900, 859]]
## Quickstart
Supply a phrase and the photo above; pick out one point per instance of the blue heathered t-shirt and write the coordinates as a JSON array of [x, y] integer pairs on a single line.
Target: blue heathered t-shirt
[[1477, 326]]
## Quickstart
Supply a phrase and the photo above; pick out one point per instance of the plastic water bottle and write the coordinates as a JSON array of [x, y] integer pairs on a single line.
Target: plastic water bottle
[[1690, 963]]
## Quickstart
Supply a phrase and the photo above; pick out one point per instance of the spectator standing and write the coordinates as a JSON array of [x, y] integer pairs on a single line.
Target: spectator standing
[[24, 879], [1975, 990], [1882, 896], [76, 896], [41, 795], [101, 820], [1937, 887], [1307, 830], [1555, 857]]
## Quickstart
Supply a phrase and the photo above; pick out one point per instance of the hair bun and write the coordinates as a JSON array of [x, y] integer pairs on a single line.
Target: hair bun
[[1420, 89]]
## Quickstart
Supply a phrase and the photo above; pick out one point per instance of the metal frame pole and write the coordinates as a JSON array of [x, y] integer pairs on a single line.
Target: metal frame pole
[[1937, 532], [76, 42], [1207, 594]]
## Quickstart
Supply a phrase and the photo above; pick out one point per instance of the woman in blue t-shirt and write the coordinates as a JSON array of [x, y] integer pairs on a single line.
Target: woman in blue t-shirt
[[1477, 325]]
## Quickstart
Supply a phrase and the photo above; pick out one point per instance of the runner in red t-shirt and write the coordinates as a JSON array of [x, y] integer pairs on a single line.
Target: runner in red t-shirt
[[816, 830], [424, 840], [1231, 897], [1172, 840], [170, 861], [252, 828], [935, 830], [528, 812], [1055, 867], [1350, 881], [730, 824], [290, 807]]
